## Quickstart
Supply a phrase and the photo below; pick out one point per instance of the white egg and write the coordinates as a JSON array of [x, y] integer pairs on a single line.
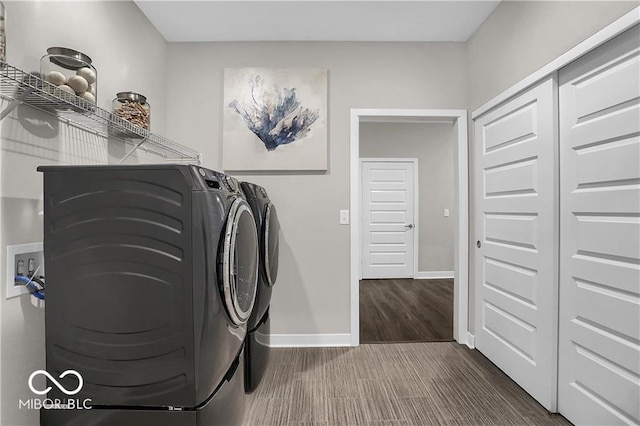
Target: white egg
[[91, 89], [87, 96], [56, 77], [67, 89], [88, 74], [79, 84]]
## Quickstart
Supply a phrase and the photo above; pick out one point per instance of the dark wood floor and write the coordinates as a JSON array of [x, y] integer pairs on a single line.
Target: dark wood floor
[[406, 310], [396, 384]]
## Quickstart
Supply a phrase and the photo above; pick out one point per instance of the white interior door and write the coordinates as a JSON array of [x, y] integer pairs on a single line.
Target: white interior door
[[388, 225], [516, 225], [599, 347]]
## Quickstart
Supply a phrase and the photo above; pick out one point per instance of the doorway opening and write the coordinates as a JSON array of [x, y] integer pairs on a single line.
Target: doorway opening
[[458, 120], [406, 291]]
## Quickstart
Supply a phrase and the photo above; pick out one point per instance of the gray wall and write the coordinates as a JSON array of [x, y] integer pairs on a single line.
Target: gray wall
[[517, 39], [129, 54], [312, 292], [432, 144], [520, 37]]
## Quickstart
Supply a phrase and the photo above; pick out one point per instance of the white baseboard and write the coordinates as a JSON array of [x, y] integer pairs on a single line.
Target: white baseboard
[[309, 340], [471, 340], [433, 275]]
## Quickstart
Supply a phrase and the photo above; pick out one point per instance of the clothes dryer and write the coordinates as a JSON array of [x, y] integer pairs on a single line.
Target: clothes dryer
[[151, 278], [259, 326]]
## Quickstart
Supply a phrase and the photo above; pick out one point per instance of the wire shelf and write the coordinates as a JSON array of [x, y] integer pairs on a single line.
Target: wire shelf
[[18, 86]]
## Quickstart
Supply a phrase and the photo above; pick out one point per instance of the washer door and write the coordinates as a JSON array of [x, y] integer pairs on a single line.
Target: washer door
[[270, 243], [240, 262]]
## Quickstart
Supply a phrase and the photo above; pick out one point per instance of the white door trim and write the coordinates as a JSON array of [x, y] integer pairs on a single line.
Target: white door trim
[[461, 245], [607, 33], [415, 204]]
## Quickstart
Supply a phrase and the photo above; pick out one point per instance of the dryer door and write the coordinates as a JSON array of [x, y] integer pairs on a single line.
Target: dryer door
[[270, 243], [240, 262]]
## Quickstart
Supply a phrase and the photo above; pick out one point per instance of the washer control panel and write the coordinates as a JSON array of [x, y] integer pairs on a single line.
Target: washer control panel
[[218, 180], [231, 184]]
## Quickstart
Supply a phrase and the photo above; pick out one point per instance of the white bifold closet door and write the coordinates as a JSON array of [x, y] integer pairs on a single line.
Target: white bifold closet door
[[599, 346], [517, 226]]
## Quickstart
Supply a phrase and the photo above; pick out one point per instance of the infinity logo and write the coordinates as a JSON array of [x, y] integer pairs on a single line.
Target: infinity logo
[[62, 388]]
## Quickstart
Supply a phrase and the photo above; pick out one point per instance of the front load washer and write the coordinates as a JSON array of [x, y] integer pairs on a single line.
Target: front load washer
[[151, 277], [258, 335]]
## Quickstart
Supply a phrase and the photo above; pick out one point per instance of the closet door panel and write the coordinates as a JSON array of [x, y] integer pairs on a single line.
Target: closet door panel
[[599, 342], [517, 221]]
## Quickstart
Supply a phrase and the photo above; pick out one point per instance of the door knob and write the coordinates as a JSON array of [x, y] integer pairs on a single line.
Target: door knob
[[478, 244], [409, 226]]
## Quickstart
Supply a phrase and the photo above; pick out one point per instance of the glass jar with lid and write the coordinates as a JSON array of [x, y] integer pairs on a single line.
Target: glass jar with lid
[[71, 71], [134, 108], [3, 40]]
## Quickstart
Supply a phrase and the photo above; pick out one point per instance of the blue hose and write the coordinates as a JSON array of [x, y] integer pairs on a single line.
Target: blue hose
[[27, 282]]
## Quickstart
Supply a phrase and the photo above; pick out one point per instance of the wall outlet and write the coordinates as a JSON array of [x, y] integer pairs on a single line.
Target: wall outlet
[[344, 217], [24, 259]]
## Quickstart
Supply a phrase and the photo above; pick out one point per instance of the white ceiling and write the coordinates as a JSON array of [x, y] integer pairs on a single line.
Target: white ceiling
[[326, 20]]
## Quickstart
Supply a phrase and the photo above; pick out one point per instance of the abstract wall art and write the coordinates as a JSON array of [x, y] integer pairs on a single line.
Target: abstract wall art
[[274, 119]]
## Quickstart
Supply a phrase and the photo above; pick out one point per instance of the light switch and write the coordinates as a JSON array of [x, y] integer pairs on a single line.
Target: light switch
[[344, 217], [446, 212]]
